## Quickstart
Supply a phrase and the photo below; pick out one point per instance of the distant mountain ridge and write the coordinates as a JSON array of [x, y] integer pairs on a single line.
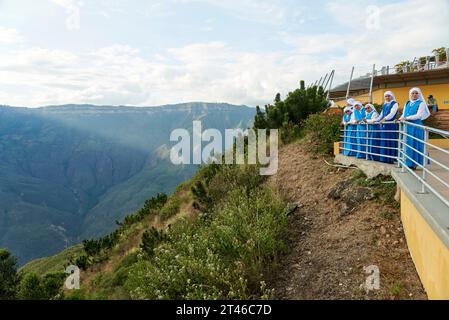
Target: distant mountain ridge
[[69, 172]]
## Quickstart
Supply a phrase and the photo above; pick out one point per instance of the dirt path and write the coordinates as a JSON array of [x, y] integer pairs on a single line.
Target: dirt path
[[330, 244]]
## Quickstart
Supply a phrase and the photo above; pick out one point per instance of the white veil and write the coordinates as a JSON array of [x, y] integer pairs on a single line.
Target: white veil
[[390, 93], [421, 97]]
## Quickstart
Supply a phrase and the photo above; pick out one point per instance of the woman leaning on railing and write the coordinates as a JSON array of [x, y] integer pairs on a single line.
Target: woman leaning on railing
[[415, 111]]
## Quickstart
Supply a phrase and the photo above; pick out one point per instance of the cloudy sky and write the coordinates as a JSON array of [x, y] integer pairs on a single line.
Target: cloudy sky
[[151, 52]]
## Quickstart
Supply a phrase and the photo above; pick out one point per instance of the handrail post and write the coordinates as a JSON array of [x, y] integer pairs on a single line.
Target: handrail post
[[399, 144], [424, 172], [404, 145], [366, 142]]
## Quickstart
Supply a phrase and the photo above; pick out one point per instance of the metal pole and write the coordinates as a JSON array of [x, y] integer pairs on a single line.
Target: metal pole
[[367, 143], [371, 85], [327, 82], [349, 84], [400, 144], [330, 84], [404, 146], [325, 78], [424, 172], [447, 57], [319, 82]]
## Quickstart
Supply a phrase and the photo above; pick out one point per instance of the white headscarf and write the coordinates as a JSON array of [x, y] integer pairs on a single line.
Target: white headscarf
[[371, 106], [348, 108], [390, 93], [421, 97], [350, 101], [358, 103]]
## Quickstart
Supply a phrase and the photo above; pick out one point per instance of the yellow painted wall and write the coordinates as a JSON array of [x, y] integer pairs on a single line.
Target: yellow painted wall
[[337, 148], [439, 91], [429, 253], [442, 143]]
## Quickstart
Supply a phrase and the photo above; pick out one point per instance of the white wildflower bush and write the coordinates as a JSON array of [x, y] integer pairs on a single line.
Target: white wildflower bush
[[227, 256]]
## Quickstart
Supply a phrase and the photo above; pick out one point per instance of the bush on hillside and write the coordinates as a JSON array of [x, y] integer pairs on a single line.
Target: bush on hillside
[[9, 278], [35, 287], [321, 131], [225, 258], [289, 114]]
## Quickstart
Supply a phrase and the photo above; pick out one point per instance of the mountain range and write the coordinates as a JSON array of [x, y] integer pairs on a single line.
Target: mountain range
[[68, 173]]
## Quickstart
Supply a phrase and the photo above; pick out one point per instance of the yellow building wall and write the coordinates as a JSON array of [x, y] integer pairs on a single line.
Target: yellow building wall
[[439, 91], [337, 148], [429, 253], [442, 143]]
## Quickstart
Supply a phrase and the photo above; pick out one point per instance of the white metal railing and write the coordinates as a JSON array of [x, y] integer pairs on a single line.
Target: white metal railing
[[361, 143]]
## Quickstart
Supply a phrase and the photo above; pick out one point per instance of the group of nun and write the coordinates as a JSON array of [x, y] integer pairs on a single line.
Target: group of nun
[[373, 136]]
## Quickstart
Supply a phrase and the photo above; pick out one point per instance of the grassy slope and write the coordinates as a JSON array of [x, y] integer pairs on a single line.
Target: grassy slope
[[95, 280], [56, 263]]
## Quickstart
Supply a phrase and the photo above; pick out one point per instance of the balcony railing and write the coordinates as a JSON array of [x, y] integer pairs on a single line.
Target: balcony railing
[[432, 167]]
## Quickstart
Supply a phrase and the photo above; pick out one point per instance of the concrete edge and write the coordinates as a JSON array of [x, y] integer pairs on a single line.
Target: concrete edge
[[432, 209]]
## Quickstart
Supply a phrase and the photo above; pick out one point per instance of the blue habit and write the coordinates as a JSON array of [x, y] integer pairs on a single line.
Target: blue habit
[[359, 115], [348, 136], [373, 138], [387, 146], [414, 158]]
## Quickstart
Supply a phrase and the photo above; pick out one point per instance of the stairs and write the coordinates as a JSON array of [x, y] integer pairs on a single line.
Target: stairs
[[441, 119]]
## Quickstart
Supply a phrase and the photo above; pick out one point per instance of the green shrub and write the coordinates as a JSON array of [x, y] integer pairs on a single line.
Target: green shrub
[[224, 258], [151, 239], [296, 107], [321, 131], [9, 279], [82, 262], [34, 287], [170, 209]]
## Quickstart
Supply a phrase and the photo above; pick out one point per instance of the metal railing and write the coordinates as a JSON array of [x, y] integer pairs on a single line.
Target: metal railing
[[409, 150]]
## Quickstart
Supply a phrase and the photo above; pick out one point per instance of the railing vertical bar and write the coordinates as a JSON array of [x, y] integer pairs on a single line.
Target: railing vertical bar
[[424, 173], [367, 142], [403, 147]]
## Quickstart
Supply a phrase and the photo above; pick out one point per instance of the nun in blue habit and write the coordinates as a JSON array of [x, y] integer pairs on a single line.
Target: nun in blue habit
[[389, 131], [415, 111], [373, 134], [357, 118], [349, 132]]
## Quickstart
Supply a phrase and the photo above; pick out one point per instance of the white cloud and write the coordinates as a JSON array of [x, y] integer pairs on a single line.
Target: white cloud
[[9, 36], [72, 8], [215, 70]]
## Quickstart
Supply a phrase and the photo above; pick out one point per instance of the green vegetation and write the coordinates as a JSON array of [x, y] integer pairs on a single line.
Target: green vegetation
[[384, 187], [397, 290], [170, 209], [407, 65], [288, 115], [224, 241], [69, 172], [387, 215], [321, 131], [53, 264], [9, 279], [226, 256], [98, 250], [48, 287]]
